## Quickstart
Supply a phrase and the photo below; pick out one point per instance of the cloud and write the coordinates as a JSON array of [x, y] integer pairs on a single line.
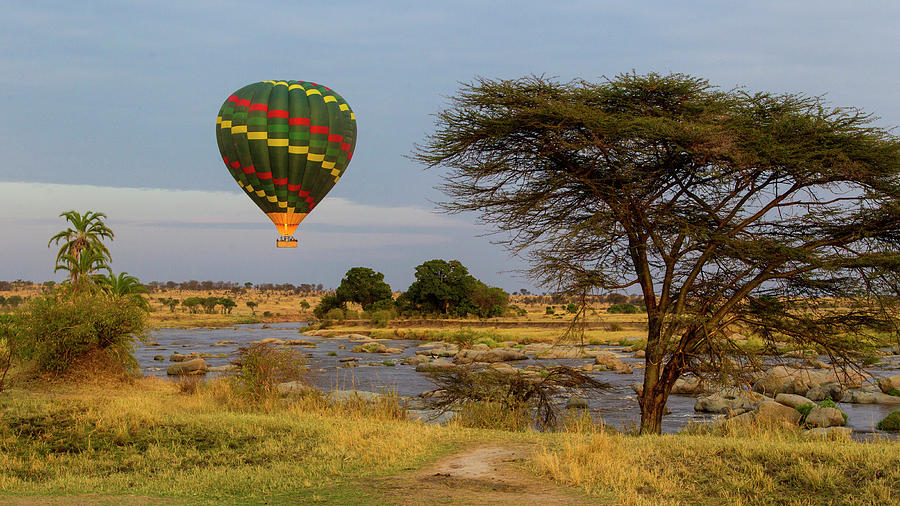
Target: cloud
[[155, 207]]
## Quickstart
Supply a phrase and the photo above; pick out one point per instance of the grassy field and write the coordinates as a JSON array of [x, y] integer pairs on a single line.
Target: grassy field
[[148, 440]]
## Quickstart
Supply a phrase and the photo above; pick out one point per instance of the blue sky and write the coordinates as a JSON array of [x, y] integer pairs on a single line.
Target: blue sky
[[124, 94]]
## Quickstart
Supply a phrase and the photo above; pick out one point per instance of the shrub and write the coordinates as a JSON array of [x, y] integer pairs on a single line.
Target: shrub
[[549, 310], [304, 304], [572, 308], [263, 367], [615, 327], [54, 331], [326, 304], [894, 392], [623, 309], [891, 423], [335, 314], [382, 317]]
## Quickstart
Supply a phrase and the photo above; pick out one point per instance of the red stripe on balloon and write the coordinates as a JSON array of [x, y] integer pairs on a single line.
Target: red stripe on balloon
[[335, 138], [294, 187], [280, 182], [259, 107], [264, 175], [275, 113], [317, 129], [298, 121], [244, 102], [249, 170], [345, 146]]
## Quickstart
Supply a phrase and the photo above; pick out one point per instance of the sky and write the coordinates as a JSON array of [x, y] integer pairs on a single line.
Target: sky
[[111, 105]]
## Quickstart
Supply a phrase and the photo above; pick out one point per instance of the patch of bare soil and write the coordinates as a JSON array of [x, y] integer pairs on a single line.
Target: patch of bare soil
[[490, 474]]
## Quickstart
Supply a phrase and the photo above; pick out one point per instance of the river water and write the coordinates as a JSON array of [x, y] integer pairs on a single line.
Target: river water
[[616, 407]]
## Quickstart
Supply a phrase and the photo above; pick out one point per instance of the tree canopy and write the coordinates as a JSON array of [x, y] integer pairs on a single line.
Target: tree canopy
[[728, 209], [363, 286]]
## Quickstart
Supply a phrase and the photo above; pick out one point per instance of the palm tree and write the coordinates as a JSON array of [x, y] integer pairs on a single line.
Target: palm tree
[[86, 232], [123, 285], [82, 268]]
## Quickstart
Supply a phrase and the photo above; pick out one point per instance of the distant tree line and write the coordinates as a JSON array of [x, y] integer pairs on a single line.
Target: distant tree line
[[235, 287]]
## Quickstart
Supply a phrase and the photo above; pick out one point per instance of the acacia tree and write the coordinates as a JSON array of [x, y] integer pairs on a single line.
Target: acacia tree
[[730, 210]]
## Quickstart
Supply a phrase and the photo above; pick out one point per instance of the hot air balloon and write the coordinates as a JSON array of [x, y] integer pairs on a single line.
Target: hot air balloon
[[286, 143]]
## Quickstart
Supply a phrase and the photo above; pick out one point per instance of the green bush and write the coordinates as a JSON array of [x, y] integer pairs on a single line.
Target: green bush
[[381, 318], [891, 423], [549, 310], [827, 403], [623, 309], [263, 366], [894, 392], [335, 314], [328, 303], [55, 330], [572, 308]]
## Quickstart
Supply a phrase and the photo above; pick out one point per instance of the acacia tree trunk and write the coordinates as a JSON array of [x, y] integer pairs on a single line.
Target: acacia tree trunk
[[659, 377]]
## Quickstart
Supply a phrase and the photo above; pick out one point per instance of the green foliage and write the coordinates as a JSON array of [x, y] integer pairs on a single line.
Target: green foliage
[[891, 423], [227, 304], [263, 367], [326, 304], [363, 286], [572, 308], [82, 252], [304, 304], [335, 314], [441, 287], [192, 304], [488, 301], [894, 392], [252, 305], [381, 318], [827, 403], [550, 310], [54, 331], [623, 309], [123, 285]]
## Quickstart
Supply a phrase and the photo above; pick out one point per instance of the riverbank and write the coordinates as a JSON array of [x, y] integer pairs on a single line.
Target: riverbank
[[150, 440]]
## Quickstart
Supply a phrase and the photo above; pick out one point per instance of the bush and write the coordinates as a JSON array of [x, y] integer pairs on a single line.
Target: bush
[[891, 423], [54, 331], [304, 304], [623, 309], [335, 314], [382, 317], [572, 308], [326, 304], [827, 403], [263, 367], [549, 310]]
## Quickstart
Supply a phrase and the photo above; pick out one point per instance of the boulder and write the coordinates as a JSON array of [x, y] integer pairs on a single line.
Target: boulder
[[890, 383], [225, 343], [793, 401], [612, 362], [787, 380], [437, 365], [224, 368], [181, 357], [159, 358], [830, 390], [727, 400], [503, 367], [187, 367], [298, 342], [489, 356], [640, 354], [774, 413], [688, 385], [825, 417], [294, 388], [576, 402], [375, 348], [430, 416], [829, 432], [741, 420], [415, 360], [438, 352]]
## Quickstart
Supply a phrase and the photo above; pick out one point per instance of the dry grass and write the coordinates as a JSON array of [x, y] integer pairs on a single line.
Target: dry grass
[[756, 466]]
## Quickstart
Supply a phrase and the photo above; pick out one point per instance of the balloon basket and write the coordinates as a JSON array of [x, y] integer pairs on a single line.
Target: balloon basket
[[286, 242]]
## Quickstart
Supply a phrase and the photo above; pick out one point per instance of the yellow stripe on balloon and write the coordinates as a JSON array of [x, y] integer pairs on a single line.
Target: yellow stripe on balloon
[[218, 119], [260, 193], [281, 143], [313, 92], [330, 98], [226, 124], [257, 135], [313, 157], [344, 107], [272, 198], [282, 204], [327, 165], [295, 86], [298, 150], [335, 172], [239, 129], [352, 116], [281, 83]]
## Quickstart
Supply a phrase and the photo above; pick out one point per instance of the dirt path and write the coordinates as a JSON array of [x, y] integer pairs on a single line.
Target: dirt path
[[489, 474]]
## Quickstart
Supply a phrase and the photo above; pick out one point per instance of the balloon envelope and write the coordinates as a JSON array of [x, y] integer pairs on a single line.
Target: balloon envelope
[[286, 143]]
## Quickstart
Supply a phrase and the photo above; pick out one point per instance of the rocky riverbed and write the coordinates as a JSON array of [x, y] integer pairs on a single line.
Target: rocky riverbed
[[356, 362]]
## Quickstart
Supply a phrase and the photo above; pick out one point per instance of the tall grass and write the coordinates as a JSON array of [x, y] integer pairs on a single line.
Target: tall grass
[[754, 466]]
